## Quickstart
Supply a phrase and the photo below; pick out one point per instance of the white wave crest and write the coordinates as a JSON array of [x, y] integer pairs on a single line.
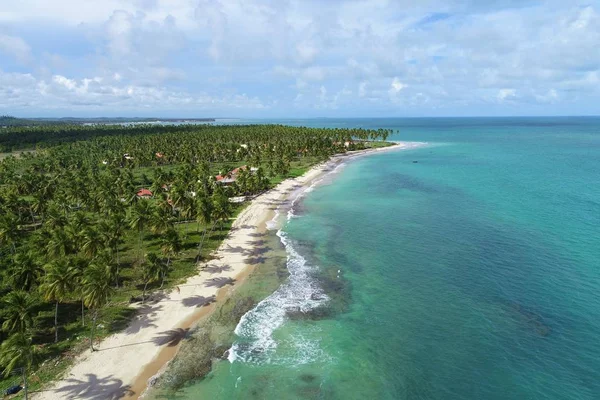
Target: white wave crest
[[255, 330], [255, 342]]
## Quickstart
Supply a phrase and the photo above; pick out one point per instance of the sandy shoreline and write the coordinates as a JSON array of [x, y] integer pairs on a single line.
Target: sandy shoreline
[[126, 360]]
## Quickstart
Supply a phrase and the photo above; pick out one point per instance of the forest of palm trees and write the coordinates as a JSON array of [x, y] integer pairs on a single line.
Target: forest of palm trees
[[77, 243]]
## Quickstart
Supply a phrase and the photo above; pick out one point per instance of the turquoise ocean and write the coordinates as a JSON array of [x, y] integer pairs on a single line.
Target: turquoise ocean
[[468, 268]]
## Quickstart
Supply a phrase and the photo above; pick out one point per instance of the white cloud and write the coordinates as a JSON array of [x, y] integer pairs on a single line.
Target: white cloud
[[75, 12], [70, 84], [24, 91], [549, 97], [118, 30], [504, 94], [462, 55], [16, 47], [362, 89], [396, 86], [306, 52], [322, 93]]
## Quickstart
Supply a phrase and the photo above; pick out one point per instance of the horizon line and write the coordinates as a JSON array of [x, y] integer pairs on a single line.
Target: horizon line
[[312, 117]]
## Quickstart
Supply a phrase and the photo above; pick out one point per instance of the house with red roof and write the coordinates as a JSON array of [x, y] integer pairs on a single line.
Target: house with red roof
[[231, 176], [144, 193]]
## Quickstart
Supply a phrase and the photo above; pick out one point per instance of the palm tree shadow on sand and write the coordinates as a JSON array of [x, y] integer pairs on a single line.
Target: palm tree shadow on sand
[[219, 282], [215, 269], [198, 301], [171, 337], [145, 319], [94, 388]]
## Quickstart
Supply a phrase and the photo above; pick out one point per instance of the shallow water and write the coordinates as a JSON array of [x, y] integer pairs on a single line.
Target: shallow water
[[473, 273]]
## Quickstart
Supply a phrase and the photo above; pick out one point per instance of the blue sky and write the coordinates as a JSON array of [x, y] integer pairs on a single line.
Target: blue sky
[[292, 58]]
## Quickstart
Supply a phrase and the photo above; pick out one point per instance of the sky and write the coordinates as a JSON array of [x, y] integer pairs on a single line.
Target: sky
[[299, 58]]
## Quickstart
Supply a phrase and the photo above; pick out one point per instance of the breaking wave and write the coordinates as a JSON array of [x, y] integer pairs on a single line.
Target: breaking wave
[[300, 292]]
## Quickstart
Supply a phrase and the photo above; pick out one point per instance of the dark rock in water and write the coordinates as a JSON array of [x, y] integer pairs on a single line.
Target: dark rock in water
[[225, 354], [295, 313], [257, 350], [310, 392], [308, 378], [532, 319], [241, 307], [543, 330], [415, 162], [332, 285], [152, 381], [314, 314]]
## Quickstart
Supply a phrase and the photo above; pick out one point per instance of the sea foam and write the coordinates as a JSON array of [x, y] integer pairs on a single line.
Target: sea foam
[[300, 292]]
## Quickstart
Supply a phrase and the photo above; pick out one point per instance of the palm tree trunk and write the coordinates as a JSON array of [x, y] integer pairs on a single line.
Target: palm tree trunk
[[203, 237], [118, 265], [185, 235], [82, 314], [144, 293], [164, 273], [140, 246], [56, 323], [32, 218], [93, 330], [201, 243]]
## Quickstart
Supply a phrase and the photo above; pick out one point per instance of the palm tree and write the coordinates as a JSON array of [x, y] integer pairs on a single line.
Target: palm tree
[[170, 244], [221, 208], [96, 290], [204, 214], [78, 266], [177, 197], [187, 210], [60, 243], [92, 241], [26, 270], [57, 286], [79, 221], [151, 271], [54, 218], [112, 232], [161, 220], [16, 351], [17, 311], [139, 218], [9, 231]]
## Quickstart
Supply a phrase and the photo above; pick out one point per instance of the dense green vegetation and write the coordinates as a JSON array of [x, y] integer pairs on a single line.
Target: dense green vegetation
[[18, 138], [10, 121], [77, 242]]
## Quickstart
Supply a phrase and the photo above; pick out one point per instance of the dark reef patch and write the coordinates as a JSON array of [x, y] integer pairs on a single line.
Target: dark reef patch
[[308, 378]]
